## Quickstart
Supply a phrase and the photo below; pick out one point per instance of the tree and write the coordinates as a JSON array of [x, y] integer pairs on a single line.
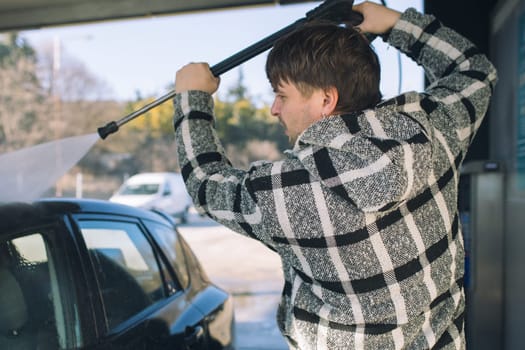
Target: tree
[[75, 98], [20, 97], [238, 91], [245, 129]]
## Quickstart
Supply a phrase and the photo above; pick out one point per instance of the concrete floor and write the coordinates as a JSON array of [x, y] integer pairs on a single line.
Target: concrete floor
[[248, 270]]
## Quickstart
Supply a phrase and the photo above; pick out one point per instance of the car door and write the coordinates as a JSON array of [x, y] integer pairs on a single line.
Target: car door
[[216, 305], [40, 307], [143, 303]]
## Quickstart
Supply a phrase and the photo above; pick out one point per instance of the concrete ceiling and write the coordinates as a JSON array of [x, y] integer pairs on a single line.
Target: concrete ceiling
[[29, 14]]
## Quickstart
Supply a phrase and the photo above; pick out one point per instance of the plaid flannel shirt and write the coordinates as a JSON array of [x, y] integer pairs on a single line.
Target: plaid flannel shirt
[[363, 210]]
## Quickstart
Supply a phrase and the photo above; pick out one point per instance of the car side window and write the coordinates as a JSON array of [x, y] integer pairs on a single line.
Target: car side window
[[169, 241], [126, 265], [30, 306]]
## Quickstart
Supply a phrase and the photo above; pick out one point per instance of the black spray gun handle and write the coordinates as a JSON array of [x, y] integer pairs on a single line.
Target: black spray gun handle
[[339, 11]]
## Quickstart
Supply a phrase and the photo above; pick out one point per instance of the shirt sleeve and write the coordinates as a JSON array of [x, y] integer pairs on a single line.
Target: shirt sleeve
[[461, 77], [221, 191]]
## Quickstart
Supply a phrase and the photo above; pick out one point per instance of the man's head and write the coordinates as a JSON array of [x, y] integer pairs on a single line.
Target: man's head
[[324, 57]]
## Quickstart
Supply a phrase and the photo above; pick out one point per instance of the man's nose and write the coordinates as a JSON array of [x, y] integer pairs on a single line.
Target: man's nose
[[274, 110]]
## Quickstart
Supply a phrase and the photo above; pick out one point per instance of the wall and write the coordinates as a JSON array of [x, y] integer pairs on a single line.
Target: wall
[[495, 28], [504, 136], [470, 18]]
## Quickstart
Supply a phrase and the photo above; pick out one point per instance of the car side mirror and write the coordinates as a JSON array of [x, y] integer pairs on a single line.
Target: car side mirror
[[193, 336]]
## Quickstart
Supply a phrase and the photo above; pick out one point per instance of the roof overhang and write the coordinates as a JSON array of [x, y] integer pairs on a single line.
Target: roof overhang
[[30, 14]]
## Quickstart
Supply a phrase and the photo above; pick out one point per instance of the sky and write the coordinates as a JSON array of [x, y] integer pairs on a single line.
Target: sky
[[142, 55]]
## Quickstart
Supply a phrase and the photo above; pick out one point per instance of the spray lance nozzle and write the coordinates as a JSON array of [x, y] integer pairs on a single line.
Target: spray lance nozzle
[[107, 129], [338, 11]]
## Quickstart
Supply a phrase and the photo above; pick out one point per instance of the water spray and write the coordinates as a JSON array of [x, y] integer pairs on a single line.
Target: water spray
[[338, 11]]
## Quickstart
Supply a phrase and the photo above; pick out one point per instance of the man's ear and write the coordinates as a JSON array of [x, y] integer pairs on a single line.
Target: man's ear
[[331, 97]]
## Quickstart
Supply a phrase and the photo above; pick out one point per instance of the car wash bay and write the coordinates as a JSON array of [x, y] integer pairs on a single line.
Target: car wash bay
[[492, 203]]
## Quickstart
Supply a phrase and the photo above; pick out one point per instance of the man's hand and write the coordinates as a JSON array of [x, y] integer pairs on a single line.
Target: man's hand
[[196, 76], [377, 19]]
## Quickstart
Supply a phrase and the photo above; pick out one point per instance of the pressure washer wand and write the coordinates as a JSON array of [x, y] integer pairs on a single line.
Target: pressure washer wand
[[334, 10], [218, 69]]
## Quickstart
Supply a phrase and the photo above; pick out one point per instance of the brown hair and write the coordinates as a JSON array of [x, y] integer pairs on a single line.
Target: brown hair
[[322, 55]]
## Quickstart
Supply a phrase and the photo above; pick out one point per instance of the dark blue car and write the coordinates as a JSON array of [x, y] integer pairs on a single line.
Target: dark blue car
[[98, 275]]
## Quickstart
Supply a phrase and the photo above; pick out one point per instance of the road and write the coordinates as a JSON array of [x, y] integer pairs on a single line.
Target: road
[[248, 270]]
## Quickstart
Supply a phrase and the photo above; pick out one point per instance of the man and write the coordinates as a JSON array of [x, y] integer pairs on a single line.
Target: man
[[363, 210]]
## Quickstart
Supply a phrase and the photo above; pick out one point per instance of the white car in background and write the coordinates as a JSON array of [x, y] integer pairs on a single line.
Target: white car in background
[[161, 191]]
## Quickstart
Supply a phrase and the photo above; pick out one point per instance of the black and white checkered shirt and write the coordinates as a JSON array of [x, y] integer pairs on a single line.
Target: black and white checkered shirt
[[363, 210]]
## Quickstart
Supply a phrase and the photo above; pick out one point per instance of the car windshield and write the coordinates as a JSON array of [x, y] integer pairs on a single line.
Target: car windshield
[[138, 189]]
